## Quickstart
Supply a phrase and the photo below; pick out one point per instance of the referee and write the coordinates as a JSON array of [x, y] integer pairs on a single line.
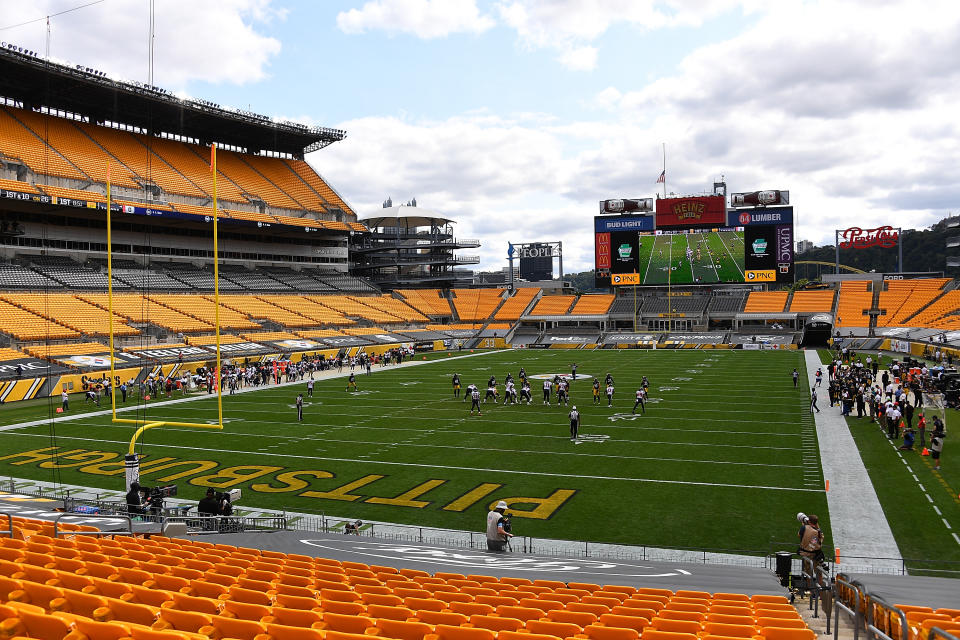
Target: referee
[[300, 407], [574, 423]]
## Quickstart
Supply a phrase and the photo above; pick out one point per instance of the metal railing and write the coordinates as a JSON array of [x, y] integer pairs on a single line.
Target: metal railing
[[844, 590], [818, 585], [937, 632], [72, 532], [8, 532], [885, 630]]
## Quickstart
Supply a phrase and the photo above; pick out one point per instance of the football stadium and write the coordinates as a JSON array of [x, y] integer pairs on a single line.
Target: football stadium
[[232, 406]]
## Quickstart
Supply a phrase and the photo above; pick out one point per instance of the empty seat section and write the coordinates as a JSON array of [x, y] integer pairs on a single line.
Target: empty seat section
[[812, 301], [138, 309], [516, 304], [286, 179], [25, 325], [395, 307], [308, 308], [18, 141], [258, 308], [311, 177], [476, 305], [72, 312], [203, 308], [854, 300], [77, 147], [553, 305], [904, 298], [352, 306], [13, 276], [766, 302], [593, 304], [429, 302]]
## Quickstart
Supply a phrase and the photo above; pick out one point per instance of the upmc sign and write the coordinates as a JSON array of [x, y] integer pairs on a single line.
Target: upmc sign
[[699, 211], [769, 215]]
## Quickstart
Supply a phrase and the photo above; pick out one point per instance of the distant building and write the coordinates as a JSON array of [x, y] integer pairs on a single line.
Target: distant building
[[804, 245]]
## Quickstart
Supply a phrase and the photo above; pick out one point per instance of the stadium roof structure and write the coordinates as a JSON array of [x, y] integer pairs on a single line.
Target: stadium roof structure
[[36, 82], [405, 217]]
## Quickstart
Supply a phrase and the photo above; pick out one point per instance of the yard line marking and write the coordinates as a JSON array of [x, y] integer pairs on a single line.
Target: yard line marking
[[927, 496], [458, 468], [937, 509], [946, 524], [957, 538]]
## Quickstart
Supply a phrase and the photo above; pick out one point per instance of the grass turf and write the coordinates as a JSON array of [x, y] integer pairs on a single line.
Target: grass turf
[[716, 462], [923, 528]]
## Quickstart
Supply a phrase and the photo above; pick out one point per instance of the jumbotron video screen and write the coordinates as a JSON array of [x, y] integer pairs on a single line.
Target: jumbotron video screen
[[694, 240]]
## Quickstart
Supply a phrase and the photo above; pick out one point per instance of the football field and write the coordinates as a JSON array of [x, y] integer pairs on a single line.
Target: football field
[[724, 457]]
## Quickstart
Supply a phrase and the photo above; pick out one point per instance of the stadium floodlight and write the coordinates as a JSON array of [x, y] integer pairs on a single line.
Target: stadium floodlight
[[131, 460]]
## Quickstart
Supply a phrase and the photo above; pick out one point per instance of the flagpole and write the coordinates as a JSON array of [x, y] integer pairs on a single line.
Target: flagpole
[[664, 169]]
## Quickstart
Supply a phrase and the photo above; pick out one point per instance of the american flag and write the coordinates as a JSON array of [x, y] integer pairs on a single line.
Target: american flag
[[663, 176]]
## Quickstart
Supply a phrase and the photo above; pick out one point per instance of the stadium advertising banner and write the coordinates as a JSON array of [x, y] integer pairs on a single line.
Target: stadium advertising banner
[[691, 212], [768, 253], [768, 215], [617, 245]]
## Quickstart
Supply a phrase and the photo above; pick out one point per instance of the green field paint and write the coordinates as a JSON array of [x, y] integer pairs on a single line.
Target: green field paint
[[545, 507], [472, 497], [406, 499], [343, 493], [229, 476], [291, 481]]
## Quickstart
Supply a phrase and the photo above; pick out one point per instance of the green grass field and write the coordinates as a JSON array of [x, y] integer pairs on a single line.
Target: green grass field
[[716, 462], [921, 526], [720, 258]]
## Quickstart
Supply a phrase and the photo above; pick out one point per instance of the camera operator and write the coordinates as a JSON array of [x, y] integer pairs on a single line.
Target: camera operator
[[497, 535], [811, 543], [209, 505], [135, 503]]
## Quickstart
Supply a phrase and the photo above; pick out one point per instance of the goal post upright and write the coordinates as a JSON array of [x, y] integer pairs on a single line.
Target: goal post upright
[[131, 460]]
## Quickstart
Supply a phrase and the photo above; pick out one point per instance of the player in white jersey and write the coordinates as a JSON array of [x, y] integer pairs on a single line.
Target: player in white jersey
[[641, 401], [475, 401], [610, 395], [547, 386]]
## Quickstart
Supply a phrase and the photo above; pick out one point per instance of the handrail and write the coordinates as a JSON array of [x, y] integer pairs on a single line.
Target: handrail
[[878, 602], [57, 530], [9, 531], [816, 585], [937, 632], [844, 587]]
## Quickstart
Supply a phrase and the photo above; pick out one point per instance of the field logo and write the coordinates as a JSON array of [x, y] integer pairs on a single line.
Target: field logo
[[624, 251], [592, 437]]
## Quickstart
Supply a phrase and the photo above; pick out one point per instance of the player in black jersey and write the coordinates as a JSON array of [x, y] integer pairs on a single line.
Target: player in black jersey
[[596, 391], [351, 382], [456, 386]]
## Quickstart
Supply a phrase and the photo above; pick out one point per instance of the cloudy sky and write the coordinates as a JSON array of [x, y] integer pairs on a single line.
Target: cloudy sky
[[514, 117]]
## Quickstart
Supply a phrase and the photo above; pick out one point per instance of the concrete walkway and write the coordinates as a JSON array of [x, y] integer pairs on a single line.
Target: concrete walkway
[[858, 525]]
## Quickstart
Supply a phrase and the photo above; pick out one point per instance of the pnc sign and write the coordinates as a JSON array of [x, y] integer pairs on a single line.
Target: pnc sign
[[857, 238], [620, 279]]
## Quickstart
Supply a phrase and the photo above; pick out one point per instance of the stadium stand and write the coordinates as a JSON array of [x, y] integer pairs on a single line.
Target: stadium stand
[[145, 278], [320, 333], [812, 301], [313, 179], [592, 304], [138, 309], [726, 304], [14, 276], [71, 312], [25, 325], [345, 283], [516, 304], [476, 304], [202, 341], [6, 354], [904, 298], [351, 306], [16, 185], [942, 312], [691, 305], [308, 308], [297, 280], [17, 141], [553, 305], [163, 588], [626, 304], [202, 308], [259, 308], [269, 336], [232, 165], [44, 351], [197, 278], [766, 302], [855, 298], [429, 302], [394, 307], [70, 273], [251, 280]]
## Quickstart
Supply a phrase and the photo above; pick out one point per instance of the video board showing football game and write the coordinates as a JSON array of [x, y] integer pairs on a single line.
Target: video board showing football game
[[695, 240]]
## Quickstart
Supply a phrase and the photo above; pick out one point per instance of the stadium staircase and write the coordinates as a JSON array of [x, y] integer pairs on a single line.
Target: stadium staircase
[[486, 323]]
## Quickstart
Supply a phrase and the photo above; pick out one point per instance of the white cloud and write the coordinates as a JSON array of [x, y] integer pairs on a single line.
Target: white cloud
[[219, 42], [569, 26], [852, 117], [423, 18]]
